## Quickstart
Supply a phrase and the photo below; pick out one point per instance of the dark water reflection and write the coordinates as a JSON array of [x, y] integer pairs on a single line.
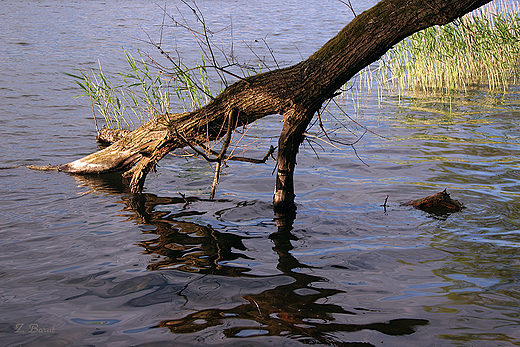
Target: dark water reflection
[[294, 308], [185, 245]]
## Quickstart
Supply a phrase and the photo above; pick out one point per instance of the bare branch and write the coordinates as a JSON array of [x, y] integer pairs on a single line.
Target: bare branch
[[349, 5]]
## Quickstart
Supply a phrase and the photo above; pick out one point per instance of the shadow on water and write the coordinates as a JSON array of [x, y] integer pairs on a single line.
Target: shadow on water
[[296, 310]]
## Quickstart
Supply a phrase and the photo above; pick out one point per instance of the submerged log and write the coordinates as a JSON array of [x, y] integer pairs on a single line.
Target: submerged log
[[296, 92], [440, 203]]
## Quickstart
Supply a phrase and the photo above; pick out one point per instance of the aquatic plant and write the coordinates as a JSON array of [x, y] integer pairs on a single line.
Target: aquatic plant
[[481, 49], [140, 94]]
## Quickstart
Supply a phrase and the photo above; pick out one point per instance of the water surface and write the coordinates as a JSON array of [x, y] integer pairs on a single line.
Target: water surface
[[83, 262]]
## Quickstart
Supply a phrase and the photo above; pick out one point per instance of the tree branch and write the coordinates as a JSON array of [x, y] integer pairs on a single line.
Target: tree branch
[[296, 92]]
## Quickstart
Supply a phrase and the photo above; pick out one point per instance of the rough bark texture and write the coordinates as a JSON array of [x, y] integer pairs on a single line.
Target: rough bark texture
[[109, 136], [296, 92]]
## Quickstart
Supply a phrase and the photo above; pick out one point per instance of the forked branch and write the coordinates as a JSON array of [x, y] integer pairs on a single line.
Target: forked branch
[[296, 92]]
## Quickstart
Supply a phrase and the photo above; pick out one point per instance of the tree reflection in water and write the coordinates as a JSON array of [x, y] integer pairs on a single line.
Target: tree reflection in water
[[184, 245], [297, 310], [290, 310]]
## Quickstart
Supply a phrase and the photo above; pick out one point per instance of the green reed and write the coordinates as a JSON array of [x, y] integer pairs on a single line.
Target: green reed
[[128, 99], [480, 50]]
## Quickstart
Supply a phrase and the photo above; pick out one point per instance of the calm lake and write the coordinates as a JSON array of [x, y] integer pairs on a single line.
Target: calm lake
[[85, 263]]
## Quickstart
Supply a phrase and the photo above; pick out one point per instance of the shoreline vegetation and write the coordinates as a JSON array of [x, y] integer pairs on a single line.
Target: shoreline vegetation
[[480, 51], [140, 94]]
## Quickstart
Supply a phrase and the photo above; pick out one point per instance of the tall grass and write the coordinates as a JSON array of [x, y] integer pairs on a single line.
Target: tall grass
[[127, 99], [480, 50]]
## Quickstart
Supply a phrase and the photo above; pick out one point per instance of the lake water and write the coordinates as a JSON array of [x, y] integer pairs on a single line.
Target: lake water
[[84, 263]]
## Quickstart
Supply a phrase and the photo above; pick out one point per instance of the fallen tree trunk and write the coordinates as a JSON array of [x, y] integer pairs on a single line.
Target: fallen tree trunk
[[296, 92]]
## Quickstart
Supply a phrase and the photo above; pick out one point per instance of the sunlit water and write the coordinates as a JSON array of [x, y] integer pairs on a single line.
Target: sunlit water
[[82, 262]]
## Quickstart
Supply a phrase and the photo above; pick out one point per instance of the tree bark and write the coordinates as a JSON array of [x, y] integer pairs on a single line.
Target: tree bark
[[296, 92]]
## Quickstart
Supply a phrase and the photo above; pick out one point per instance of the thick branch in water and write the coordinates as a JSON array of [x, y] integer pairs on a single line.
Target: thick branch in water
[[296, 92]]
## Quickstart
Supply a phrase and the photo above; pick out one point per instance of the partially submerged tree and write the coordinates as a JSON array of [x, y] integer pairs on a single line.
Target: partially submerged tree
[[296, 92]]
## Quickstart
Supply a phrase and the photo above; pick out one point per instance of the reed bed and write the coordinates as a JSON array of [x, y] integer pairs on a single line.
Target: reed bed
[[126, 100], [479, 50]]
